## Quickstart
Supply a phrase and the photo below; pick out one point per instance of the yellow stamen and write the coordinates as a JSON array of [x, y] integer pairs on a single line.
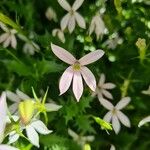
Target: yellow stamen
[[76, 66]]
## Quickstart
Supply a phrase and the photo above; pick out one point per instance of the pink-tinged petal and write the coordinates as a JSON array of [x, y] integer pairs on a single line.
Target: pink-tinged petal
[[71, 24], [116, 124], [101, 80], [64, 4], [77, 4], [65, 80], [7, 147], [123, 103], [143, 121], [7, 42], [89, 78], [3, 37], [107, 94], [108, 116], [91, 57], [3, 113], [63, 54], [108, 105], [123, 119], [12, 96], [13, 41], [64, 21], [109, 86], [80, 20], [77, 85]]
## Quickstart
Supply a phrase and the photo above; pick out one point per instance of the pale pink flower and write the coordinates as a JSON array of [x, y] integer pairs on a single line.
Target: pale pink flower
[[76, 71], [115, 115], [143, 121], [102, 88], [70, 19]]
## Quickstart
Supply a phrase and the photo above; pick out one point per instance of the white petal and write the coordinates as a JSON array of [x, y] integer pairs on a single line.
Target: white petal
[[101, 80], [52, 107], [108, 105], [123, 119], [63, 54], [123, 102], [64, 21], [40, 127], [7, 42], [89, 78], [65, 80], [92, 26], [77, 85], [61, 36], [7, 147], [77, 4], [4, 27], [13, 108], [73, 134], [116, 124], [112, 147], [107, 94], [32, 135], [12, 96], [91, 57], [22, 95], [3, 37], [108, 116], [109, 86], [13, 137], [143, 121], [13, 41], [71, 24], [64, 4], [80, 20]]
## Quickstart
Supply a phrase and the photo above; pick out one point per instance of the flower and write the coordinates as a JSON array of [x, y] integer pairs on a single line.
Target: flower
[[60, 34], [97, 25], [76, 71], [102, 88], [70, 19], [51, 14], [143, 121], [115, 115], [8, 38], [16, 99], [112, 147], [146, 92]]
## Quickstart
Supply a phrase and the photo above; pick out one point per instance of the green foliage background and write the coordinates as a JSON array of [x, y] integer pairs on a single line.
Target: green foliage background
[[131, 21]]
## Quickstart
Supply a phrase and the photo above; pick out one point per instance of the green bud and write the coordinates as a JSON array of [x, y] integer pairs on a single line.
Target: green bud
[[87, 147]]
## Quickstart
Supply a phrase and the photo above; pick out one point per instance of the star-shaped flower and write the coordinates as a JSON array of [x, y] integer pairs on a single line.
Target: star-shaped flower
[[8, 38], [102, 87], [76, 71], [115, 115], [70, 19]]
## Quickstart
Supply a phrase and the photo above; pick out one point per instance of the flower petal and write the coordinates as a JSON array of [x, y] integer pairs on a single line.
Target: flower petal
[[112, 147], [109, 86], [7, 42], [13, 137], [32, 135], [101, 80], [77, 4], [13, 108], [116, 124], [22, 95], [13, 41], [40, 127], [107, 94], [64, 4], [89, 78], [64, 21], [65, 80], [3, 37], [52, 107], [80, 20], [12, 96], [123, 119], [7, 147], [123, 102], [71, 24], [4, 27], [77, 85], [63, 54], [91, 57], [143, 121], [108, 105], [108, 116], [3, 113]]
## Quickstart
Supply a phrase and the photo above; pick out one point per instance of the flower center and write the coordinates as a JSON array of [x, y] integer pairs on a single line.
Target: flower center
[[114, 111], [72, 12], [76, 66]]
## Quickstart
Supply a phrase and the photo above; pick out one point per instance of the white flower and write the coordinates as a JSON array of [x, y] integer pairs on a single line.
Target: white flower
[[30, 48], [97, 25], [112, 147], [8, 38], [60, 34], [102, 87], [51, 14], [7, 147], [146, 92], [16, 99], [143, 121], [115, 115], [70, 19]]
